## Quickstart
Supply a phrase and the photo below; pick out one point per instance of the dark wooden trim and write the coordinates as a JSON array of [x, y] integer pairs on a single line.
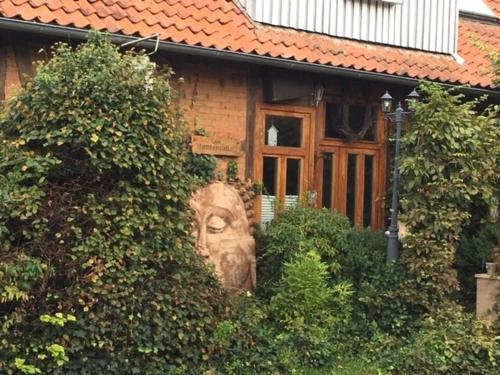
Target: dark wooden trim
[[3, 69], [252, 81], [24, 60]]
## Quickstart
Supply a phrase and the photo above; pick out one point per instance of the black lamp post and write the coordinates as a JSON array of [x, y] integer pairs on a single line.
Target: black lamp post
[[397, 116]]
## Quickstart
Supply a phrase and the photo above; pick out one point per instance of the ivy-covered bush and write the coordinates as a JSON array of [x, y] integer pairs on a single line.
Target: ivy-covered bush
[[448, 342], [97, 269], [450, 159], [377, 308]]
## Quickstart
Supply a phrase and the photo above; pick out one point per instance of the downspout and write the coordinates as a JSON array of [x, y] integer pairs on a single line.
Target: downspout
[[64, 32]]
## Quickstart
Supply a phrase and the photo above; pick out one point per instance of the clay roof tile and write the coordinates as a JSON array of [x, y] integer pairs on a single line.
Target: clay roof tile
[[222, 24]]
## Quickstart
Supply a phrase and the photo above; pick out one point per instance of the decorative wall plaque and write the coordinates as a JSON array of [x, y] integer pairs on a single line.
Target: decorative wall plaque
[[212, 146]]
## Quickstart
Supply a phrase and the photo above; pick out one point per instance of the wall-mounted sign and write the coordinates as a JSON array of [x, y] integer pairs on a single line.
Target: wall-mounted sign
[[210, 146]]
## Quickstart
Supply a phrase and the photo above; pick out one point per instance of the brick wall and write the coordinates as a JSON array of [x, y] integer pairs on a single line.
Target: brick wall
[[214, 97]]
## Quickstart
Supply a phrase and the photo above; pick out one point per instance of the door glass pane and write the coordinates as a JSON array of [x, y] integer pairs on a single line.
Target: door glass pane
[[351, 186], [356, 118], [327, 191], [333, 121], [368, 191], [270, 186], [292, 188], [283, 131], [356, 115]]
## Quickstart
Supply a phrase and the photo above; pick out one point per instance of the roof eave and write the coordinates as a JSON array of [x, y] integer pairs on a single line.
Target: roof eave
[[67, 32]]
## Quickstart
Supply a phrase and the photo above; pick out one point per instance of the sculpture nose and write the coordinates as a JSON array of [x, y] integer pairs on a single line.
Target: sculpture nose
[[201, 243]]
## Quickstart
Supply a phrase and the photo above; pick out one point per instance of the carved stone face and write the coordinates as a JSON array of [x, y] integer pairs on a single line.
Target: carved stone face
[[223, 235]]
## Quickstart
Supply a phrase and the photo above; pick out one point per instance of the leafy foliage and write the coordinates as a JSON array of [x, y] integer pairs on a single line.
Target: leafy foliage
[[377, 310], [450, 158], [94, 223], [310, 312], [298, 231], [475, 248], [449, 342], [232, 170]]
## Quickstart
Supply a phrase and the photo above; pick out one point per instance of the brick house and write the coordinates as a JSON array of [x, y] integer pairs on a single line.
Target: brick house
[[289, 89]]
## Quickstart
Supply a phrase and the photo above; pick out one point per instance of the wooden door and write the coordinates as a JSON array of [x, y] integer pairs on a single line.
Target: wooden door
[[350, 183], [350, 173]]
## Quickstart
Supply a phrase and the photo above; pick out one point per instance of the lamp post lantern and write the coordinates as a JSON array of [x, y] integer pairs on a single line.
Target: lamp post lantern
[[397, 116]]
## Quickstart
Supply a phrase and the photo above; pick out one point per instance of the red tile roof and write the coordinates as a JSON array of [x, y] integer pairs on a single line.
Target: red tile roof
[[494, 6], [221, 24]]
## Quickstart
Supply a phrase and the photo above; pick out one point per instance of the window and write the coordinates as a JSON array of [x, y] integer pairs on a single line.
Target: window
[[282, 159]]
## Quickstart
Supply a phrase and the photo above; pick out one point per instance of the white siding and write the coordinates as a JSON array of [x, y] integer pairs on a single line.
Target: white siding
[[429, 25]]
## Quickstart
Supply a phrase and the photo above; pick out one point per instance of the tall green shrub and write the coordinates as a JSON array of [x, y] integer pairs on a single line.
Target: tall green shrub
[[94, 223], [450, 158], [309, 311], [297, 231]]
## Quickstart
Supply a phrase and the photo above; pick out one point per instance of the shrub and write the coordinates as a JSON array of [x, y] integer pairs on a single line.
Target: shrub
[[296, 231], [449, 342], [377, 310], [310, 313], [94, 223], [450, 159]]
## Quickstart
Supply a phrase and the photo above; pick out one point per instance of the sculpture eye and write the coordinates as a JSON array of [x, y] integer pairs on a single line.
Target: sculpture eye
[[216, 224]]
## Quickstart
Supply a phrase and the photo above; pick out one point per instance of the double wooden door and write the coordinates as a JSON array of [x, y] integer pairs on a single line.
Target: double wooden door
[[297, 158], [348, 181]]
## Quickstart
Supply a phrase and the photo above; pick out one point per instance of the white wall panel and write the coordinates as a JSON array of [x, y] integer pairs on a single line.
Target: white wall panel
[[429, 25]]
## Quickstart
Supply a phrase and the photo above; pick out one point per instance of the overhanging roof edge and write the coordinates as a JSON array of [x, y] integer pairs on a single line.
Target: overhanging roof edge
[[82, 34]]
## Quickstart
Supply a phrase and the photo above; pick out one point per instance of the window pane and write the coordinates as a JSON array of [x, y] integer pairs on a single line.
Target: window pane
[[292, 188], [327, 180], [355, 118], [368, 191], [283, 131], [351, 186], [333, 121], [370, 135], [270, 182], [270, 171]]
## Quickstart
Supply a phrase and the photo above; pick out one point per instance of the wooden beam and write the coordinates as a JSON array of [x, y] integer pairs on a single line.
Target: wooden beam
[[24, 59], [359, 190], [3, 70]]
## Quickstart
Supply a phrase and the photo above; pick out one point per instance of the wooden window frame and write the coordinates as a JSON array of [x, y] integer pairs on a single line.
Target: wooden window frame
[[305, 153]]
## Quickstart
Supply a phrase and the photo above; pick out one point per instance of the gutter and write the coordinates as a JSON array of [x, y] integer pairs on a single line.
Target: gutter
[[64, 32]]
